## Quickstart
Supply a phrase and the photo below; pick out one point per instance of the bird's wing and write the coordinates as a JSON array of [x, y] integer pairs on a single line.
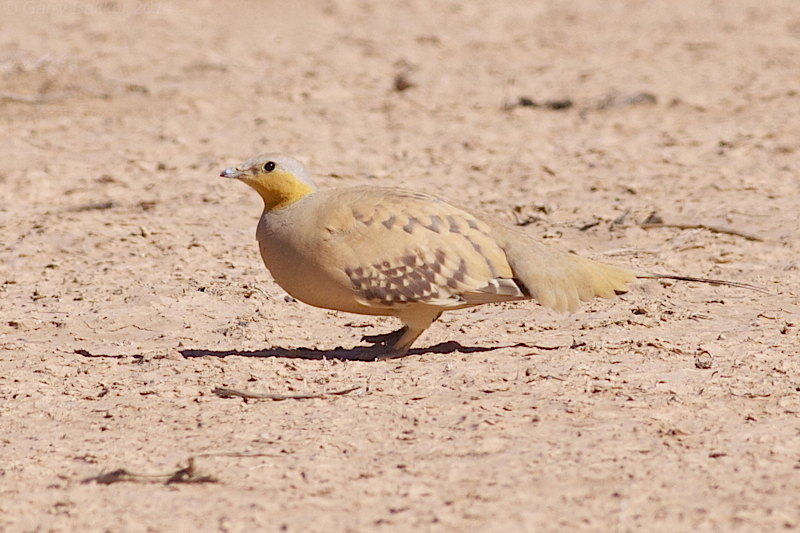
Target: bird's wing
[[397, 247]]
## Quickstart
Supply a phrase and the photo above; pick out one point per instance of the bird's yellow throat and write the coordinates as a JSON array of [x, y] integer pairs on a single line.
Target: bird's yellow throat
[[278, 188]]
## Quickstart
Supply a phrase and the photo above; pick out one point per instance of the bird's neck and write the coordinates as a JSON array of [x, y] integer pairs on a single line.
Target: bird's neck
[[280, 190]]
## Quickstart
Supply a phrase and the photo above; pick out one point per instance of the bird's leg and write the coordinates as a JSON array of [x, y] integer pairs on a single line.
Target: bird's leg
[[416, 320]]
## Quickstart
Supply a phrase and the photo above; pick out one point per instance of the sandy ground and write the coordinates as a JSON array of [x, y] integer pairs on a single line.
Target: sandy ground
[[131, 286]]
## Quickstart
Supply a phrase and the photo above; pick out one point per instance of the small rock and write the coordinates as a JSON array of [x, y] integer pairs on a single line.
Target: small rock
[[703, 360]]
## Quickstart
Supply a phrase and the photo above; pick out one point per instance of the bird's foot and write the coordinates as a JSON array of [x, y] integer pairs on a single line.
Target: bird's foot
[[387, 345], [385, 339]]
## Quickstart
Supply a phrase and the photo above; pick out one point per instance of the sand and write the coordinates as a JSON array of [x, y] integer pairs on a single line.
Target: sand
[[131, 285]]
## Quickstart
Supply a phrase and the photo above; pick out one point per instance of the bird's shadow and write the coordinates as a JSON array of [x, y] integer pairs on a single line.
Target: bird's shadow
[[359, 353]]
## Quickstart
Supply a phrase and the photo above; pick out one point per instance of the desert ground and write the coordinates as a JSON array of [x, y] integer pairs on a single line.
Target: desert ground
[[658, 135]]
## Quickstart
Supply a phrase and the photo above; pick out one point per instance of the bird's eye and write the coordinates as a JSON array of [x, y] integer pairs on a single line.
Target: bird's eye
[[269, 166]]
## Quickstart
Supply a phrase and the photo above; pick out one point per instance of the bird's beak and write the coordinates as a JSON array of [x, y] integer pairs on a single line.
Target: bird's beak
[[231, 173]]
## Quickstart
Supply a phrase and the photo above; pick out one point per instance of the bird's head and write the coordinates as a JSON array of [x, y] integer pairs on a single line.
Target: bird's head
[[279, 179]]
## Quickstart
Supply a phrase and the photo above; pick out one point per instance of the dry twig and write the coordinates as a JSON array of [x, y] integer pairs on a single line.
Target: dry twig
[[34, 98], [224, 392], [189, 474], [655, 221], [712, 229]]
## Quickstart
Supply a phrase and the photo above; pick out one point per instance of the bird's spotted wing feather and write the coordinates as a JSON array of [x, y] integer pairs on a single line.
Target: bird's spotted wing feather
[[398, 247]]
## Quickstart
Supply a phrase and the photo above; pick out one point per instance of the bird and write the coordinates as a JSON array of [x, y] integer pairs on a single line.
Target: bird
[[397, 252]]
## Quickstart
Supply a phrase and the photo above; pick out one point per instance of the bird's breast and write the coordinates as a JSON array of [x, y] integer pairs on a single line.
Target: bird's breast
[[296, 258]]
